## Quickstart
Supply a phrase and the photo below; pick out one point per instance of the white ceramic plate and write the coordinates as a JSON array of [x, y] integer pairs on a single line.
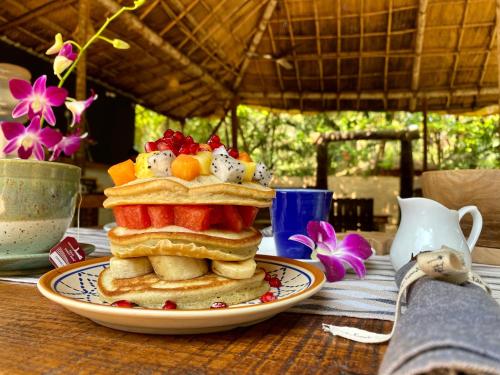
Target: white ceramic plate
[[74, 287]]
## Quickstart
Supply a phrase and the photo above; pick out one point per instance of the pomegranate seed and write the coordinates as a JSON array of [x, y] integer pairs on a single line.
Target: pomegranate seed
[[218, 305], [168, 133], [268, 297], [162, 146], [268, 276], [193, 148], [178, 137], [150, 147], [123, 303], [169, 305], [189, 140], [274, 282], [233, 153], [185, 149], [214, 139]]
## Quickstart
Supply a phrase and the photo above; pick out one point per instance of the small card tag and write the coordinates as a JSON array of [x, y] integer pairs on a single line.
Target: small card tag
[[66, 252]]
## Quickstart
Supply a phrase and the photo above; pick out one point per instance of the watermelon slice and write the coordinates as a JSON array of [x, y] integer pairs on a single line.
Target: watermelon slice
[[217, 215], [132, 216], [161, 215], [192, 217], [248, 214], [232, 219]]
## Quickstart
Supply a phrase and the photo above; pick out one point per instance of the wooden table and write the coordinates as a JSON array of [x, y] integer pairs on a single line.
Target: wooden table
[[38, 336]]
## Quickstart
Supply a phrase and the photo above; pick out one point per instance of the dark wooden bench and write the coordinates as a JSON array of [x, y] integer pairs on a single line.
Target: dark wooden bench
[[352, 214]]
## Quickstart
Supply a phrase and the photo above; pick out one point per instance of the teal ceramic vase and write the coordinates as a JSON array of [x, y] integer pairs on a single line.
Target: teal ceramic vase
[[37, 204]]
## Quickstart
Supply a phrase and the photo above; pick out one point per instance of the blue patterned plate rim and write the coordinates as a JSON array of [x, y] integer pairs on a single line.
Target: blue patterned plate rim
[[48, 282]]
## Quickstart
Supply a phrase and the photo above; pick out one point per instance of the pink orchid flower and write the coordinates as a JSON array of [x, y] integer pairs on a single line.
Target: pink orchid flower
[[29, 140], [77, 107], [69, 145], [64, 58], [352, 250], [36, 100]]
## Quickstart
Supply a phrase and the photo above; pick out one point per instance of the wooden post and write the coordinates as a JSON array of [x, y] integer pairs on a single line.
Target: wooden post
[[406, 168], [426, 136], [234, 123], [322, 165], [81, 72]]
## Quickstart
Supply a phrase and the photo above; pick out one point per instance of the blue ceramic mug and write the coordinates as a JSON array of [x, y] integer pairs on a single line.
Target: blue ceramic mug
[[292, 209]]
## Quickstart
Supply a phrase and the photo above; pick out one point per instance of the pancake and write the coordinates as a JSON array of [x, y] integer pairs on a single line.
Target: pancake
[[200, 293], [202, 190], [173, 240]]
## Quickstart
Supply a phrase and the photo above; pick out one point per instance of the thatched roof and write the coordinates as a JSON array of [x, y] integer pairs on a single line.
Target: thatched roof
[[192, 57]]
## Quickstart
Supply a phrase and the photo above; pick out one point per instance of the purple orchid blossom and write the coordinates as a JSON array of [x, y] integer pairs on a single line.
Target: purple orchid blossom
[[68, 145], [64, 59], [37, 99], [29, 140], [77, 107], [353, 249]]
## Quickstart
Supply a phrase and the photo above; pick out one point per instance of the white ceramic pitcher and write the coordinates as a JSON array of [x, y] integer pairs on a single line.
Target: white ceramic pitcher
[[428, 225]]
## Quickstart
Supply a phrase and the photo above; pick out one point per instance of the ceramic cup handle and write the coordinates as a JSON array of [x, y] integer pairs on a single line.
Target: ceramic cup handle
[[477, 224]]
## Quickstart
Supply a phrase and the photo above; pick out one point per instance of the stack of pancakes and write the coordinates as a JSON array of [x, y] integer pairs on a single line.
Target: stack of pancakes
[[193, 269]]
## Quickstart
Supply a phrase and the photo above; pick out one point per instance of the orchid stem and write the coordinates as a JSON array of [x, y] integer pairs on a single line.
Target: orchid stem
[[97, 35], [75, 44]]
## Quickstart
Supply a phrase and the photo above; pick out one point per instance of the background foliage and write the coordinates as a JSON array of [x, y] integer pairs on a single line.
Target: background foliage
[[285, 141]]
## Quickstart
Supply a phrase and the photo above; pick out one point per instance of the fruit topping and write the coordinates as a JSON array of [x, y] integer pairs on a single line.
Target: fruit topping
[[214, 141], [161, 215], [218, 305], [262, 174], [178, 138], [150, 147], [132, 216], [268, 297], [160, 163], [123, 172], [168, 133], [243, 156], [274, 282], [233, 153], [221, 150], [169, 305], [194, 217], [217, 215], [227, 169], [205, 147], [142, 169], [123, 303], [205, 159], [186, 167], [249, 170]]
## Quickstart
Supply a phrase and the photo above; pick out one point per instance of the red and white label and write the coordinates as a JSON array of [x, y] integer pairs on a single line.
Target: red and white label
[[66, 252]]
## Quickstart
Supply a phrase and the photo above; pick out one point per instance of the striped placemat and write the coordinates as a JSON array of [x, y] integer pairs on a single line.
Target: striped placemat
[[373, 297]]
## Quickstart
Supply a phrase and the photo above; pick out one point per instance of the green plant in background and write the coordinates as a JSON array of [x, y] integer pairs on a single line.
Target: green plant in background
[[285, 141]]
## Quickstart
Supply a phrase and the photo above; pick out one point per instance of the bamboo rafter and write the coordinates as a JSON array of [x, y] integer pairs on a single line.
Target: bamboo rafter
[[419, 43], [295, 62], [318, 49], [387, 50]]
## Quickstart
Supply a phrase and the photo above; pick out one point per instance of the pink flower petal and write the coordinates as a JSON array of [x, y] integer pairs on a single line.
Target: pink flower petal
[[356, 245], [334, 269], [49, 137], [356, 263], [12, 130], [21, 109], [24, 153], [304, 240], [48, 114], [10, 147], [34, 126], [38, 151], [20, 88], [40, 85], [322, 232], [56, 95]]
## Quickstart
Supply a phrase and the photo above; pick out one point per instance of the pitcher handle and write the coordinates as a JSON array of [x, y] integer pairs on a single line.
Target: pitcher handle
[[477, 224]]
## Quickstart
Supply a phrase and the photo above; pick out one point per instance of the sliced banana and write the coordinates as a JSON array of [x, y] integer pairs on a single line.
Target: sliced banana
[[234, 270], [128, 268], [172, 267]]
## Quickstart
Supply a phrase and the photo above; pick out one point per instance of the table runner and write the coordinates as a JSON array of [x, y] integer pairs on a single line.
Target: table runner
[[374, 297]]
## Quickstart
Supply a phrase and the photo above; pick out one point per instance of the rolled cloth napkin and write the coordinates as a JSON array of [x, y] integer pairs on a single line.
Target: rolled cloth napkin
[[445, 326]]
